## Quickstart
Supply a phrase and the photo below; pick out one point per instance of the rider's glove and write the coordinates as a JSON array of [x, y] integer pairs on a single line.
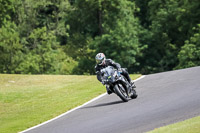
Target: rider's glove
[[119, 70]]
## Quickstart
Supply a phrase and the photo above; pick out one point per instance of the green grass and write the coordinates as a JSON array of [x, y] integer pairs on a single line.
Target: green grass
[[28, 100], [188, 126]]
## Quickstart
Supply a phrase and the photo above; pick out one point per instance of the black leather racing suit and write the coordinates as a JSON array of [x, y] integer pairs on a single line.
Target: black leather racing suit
[[109, 62]]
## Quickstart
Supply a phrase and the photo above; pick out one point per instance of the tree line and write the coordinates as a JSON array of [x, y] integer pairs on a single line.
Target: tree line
[[63, 36]]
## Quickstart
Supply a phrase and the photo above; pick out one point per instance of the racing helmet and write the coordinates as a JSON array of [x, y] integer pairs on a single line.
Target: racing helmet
[[100, 58]]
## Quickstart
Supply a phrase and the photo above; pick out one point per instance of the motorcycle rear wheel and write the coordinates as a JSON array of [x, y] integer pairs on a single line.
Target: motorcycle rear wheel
[[121, 92]]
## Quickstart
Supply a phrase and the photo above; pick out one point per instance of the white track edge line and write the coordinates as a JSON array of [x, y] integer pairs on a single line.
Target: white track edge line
[[141, 77], [72, 109]]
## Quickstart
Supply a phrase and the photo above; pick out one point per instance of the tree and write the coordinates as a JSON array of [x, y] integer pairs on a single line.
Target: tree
[[171, 24], [41, 36], [43, 13], [143, 12], [189, 55], [10, 48], [104, 26], [6, 11], [45, 56], [42, 30]]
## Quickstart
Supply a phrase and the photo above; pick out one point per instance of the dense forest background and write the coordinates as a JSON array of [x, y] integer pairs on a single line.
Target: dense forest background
[[63, 36]]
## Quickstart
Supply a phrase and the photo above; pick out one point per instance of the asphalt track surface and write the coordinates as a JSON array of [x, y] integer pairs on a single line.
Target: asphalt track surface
[[164, 98]]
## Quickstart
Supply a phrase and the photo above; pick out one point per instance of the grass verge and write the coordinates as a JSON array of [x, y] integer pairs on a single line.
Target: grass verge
[[188, 126], [28, 100]]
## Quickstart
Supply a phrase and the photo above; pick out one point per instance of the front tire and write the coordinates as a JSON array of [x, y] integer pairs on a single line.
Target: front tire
[[121, 92]]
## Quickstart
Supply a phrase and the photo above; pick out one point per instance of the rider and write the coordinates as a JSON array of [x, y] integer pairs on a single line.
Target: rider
[[102, 62]]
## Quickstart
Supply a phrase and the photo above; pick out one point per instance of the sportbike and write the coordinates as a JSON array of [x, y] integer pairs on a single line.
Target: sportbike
[[118, 84]]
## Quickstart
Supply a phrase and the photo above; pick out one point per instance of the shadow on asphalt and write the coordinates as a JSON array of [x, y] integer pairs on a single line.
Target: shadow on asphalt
[[104, 104]]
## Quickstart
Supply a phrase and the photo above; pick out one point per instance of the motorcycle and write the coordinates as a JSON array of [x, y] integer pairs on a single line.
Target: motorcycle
[[118, 84]]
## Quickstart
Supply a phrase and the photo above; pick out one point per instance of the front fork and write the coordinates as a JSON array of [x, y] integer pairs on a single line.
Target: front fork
[[108, 88]]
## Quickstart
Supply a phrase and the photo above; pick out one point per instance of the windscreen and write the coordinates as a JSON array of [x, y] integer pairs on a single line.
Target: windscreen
[[107, 72]]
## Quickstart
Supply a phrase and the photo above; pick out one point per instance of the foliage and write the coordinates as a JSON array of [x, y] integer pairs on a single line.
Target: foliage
[[189, 55], [6, 11], [10, 48], [169, 23], [45, 56], [119, 40], [63, 37], [105, 26]]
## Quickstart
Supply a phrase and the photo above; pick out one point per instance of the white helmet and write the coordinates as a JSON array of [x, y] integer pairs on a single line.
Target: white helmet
[[100, 58]]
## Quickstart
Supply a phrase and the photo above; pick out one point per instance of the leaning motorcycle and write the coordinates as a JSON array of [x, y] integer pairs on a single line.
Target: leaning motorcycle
[[118, 84]]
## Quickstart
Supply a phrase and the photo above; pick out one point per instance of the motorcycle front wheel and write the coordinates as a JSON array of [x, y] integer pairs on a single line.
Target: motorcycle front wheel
[[121, 92]]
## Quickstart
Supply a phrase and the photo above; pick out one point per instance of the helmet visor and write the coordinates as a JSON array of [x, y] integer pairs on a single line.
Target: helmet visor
[[99, 61]]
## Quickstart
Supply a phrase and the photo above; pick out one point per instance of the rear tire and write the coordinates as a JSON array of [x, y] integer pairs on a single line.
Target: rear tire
[[121, 93]]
